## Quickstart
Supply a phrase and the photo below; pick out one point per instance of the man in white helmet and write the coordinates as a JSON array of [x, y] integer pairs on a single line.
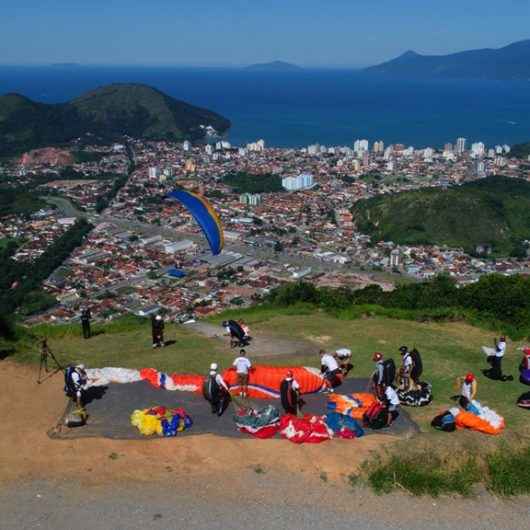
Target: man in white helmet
[[75, 382], [216, 391], [157, 330]]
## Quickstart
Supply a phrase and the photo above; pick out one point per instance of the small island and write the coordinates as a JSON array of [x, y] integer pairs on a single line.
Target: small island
[[274, 66]]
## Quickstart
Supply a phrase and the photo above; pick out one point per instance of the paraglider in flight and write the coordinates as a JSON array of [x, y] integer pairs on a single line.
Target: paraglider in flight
[[205, 216]]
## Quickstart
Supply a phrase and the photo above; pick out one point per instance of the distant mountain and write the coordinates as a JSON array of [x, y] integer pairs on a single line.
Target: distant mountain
[[521, 150], [106, 113], [492, 212], [510, 62], [274, 66]]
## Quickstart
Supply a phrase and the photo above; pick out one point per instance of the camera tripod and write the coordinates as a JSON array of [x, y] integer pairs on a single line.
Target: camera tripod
[[45, 353]]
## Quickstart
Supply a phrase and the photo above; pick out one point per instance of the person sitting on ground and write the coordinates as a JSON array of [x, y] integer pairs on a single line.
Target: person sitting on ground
[[290, 394], [390, 400], [157, 331], [343, 356], [216, 391], [405, 370], [496, 362], [468, 390], [332, 373], [242, 365], [377, 376], [75, 383]]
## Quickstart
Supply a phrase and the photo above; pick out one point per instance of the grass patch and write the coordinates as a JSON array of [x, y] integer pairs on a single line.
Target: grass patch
[[259, 470], [508, 471], [424, 474]]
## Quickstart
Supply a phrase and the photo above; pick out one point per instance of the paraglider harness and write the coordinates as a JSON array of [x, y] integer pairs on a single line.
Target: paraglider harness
[[290, 398], [71, 387], [238, 337], [215, 394]]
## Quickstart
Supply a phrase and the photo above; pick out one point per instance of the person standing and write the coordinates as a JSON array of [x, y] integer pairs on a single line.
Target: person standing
[[85, 322], [406, 368], [391, 402], [290, 394], [157, 331], [76, 381], [242, 365], [378, 375], [496, 361], [216, 391]]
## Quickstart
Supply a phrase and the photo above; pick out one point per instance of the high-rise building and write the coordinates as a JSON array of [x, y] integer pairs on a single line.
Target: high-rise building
[[301, 182], [154, 172], [250, 199], [460, 146], [359, 146], [379, 147], [478, 149], [186, 145], [209, 149]]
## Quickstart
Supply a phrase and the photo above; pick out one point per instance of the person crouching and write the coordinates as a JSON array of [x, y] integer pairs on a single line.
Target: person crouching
[[216, 391], [329, 367], [391, 402]]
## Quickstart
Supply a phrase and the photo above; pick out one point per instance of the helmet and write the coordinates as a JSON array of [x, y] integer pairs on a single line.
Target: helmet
[[403, 349], [289, 374], [470, 377], [224, 323], [158, 317], [377, 356], [242, 352], [81, 366], [213, 367], [503, 339]]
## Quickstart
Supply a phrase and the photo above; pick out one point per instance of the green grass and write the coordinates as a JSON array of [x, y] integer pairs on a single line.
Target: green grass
[[508, 471], [425, 474]]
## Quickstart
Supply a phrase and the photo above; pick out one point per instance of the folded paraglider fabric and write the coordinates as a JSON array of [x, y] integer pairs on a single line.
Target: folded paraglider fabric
[[262, 423], [353, 405], [486, 420], [524, 401], [104, 376], [309, 429], [343, 426], [161, 420], [416, 398], [181, 382]]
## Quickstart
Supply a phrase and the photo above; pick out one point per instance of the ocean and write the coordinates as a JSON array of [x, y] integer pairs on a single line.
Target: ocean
[[330, 107]]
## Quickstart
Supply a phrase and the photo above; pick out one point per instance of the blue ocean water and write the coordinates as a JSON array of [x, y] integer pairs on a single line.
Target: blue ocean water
[[328, 107]]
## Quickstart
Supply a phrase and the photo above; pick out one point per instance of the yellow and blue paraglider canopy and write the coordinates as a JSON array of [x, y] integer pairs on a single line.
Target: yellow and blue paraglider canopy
[[204, 214]]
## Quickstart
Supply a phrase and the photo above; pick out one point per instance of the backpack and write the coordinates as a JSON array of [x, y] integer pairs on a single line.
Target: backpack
[[389, 372], [418, 363], [376, 417], [210, 388]]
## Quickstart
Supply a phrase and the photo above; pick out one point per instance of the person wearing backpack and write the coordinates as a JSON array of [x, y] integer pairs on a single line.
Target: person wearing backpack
[[290, 394], [216, 391], [405, 370], [75, 383], [417, 367]]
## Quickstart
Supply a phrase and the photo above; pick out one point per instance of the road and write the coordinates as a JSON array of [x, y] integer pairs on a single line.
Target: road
[[268, 503]]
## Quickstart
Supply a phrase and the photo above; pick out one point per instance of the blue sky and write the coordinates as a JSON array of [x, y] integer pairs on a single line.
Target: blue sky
[[236, 32]]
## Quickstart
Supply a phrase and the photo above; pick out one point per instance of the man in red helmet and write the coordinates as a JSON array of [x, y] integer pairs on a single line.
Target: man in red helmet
[[468, 390]]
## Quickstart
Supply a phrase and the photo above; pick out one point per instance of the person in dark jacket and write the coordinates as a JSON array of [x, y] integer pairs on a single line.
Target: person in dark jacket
[[290, 394], [157, 331], [216, 391], [85, 322]]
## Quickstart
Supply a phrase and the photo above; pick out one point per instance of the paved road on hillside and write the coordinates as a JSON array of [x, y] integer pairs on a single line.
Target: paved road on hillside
[[68, 506]]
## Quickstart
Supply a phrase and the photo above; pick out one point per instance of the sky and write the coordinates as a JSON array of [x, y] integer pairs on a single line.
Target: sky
[[238, 32]]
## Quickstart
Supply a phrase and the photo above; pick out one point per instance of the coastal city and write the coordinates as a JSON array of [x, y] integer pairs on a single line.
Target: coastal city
[[286, 213]]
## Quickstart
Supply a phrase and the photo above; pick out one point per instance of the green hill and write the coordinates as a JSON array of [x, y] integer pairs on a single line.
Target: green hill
[[494, 211], [107, 113], [521, 150]]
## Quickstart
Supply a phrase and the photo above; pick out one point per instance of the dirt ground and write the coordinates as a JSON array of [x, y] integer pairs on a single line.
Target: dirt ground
[[29, 410]]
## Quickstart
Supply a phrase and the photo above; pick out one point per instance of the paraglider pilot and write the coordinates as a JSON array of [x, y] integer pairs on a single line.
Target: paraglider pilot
[[75, 383], [157, 331], [216, 391], [85, 322], [330, 368], [290, 394]]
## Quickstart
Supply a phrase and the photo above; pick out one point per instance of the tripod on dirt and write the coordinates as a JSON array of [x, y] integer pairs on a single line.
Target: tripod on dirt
[[46, 353]]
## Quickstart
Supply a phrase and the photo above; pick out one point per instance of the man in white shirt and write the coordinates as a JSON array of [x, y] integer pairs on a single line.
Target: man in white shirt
[[406, 367], [242, 365], [496, 361], [330, 368], [290, 394], [391, 400], [343, 356]]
